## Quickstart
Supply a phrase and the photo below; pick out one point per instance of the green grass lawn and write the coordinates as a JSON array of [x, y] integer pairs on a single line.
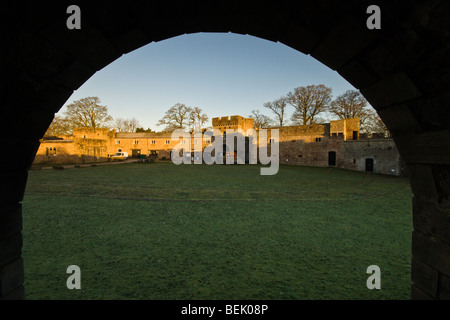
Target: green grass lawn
[[160, 231]]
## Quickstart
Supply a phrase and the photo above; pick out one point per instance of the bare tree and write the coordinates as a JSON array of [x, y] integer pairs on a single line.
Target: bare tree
[[177, 117], [197, 118], [261, 121], [308, 102], [351, 104], [132, 124], [87, 112], [119, 124], [58, 127], [374, 124], [278, 107], [126, 125]]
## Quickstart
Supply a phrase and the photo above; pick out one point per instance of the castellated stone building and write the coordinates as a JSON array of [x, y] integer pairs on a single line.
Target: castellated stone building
[[339, 144], [335, 144], [234, 123]]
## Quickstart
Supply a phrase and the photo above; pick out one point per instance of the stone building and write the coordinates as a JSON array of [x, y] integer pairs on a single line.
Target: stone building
[[334, 144], [338, 144], [233, 123], [84, 145]]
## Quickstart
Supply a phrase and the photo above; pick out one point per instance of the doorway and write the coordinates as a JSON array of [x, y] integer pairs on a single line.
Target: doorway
[[369, 165], [332, 158]]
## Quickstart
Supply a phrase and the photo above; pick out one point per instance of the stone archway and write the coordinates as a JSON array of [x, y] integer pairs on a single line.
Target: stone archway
[[402, 69]]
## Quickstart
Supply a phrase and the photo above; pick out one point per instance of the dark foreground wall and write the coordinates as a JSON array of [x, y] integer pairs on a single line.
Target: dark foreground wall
[[402, 69]]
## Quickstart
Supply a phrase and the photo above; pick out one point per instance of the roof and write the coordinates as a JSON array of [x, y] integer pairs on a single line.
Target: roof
[[142, 135]]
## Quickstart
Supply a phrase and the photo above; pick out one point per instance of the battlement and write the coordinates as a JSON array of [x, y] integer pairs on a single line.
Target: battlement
[[93, 133], [233, 122], [228, 120]]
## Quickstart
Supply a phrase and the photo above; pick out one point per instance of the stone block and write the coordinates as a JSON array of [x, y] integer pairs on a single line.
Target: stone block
[[425, 277], [345, 40], [444, 287], [11, 277], [74, 75], [16, 294], [432, 218], [356, 74], [432, 251], [417, 294], [10, 220], [422, 181], [12, 187], [23, 156], [300, 38], [392, 90], [10, 248], [399, 119], [424, 148], [84, 44]]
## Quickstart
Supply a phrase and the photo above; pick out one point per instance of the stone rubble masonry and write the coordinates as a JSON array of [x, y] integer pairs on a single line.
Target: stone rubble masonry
[[307, 145]]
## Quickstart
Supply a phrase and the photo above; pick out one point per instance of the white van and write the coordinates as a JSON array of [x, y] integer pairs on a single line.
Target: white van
[[120, 155]]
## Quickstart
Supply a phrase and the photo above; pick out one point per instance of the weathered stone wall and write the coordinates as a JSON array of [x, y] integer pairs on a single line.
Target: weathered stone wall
[[350, 154], [386, 159], [299, 152], [307, 133], [77, 150], [307, 145], [94, 133]]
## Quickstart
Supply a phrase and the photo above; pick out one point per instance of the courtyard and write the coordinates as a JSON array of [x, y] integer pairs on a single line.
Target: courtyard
[[161, 231]]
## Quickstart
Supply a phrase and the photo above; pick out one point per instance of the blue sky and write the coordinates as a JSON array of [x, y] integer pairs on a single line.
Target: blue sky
[[222, 73]]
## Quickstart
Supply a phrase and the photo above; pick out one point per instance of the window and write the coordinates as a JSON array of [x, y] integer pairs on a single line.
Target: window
[[51, 150], [167, 141], [153, 141], [208, 141], [119, 150], [136, 141], [318, 139], [117, 141], [272, 140]]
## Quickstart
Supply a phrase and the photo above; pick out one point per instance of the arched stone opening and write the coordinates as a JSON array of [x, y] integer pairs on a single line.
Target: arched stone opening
[[402, 69]]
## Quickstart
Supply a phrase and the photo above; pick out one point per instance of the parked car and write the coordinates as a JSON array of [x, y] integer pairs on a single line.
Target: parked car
[[120, 156]]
